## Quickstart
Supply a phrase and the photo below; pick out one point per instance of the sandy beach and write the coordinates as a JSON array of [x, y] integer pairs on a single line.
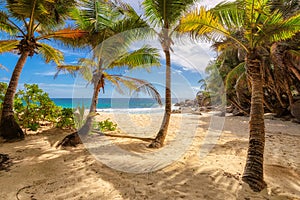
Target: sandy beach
[[199, 161]]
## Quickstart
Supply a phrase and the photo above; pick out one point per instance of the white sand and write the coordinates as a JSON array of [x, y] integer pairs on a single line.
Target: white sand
[[48, 173]]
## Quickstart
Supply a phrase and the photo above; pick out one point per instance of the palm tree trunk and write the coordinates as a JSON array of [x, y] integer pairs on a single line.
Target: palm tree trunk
[[73, 139], [85, 129], [9, 128], [253, 172], [162, 133]]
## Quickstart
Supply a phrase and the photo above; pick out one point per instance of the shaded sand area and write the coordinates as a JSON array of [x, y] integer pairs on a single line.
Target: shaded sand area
[[209, 168]]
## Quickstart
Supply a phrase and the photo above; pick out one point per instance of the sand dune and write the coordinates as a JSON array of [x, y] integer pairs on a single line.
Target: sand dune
[[198, 162]]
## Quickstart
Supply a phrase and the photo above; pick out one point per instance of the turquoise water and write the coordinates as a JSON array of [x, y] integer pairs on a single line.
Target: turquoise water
[[108, 103]]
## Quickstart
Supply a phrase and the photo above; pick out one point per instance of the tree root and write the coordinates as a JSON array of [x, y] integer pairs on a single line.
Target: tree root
[[10, 129], [155, 144], [71, 140]]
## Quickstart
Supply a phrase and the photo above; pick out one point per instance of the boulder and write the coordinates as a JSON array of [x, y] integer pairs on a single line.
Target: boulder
[[177, 104]]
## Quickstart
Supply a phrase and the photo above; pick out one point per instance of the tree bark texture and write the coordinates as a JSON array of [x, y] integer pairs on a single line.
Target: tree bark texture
[[9, 128], [253, 173]]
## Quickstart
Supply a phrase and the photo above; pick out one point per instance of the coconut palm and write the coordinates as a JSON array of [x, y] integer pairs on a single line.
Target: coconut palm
[[26, 23], [259, 26], [163, 15], [112, 27], [95, 72]]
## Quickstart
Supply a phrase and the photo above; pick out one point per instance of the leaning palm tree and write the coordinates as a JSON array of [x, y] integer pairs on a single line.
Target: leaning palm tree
[[112, 27], [163, 15], [94, 71], [26, 23], [260, 26]]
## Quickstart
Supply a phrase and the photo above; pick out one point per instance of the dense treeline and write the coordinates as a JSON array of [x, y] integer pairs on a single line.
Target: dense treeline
[[281, 71]]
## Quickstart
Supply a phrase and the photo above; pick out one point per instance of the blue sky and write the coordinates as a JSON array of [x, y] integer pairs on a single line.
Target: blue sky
[[188, 62]]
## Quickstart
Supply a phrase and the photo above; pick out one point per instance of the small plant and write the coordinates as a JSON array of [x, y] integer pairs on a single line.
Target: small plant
[[79, 116], [66, 119], [33, 126], [106, 125]]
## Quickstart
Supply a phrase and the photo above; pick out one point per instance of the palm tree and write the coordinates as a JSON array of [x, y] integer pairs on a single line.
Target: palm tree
[[94, 71], [259, 26], [112, 27], [164, 15], [27, 22]]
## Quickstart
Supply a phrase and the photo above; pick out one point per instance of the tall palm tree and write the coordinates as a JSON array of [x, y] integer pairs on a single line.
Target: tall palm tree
[[164, 15], [259, 26], [26, 23], [112, 27]]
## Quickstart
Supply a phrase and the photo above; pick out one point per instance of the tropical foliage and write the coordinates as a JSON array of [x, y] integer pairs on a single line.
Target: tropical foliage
[[28, 24], [105, 125], [33, 108], [251, 26]]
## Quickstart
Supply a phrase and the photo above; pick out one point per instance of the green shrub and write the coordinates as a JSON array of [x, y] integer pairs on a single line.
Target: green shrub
[[106, 125], [32, 105], [66, 119]]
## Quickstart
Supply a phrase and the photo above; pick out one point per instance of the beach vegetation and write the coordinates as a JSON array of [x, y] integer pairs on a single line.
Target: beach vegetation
[[66, 118], [34, 106], [250, 25], [105, 125], [27, 25]]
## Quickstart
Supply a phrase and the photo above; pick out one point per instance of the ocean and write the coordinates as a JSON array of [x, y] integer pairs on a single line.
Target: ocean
[[113, 104]]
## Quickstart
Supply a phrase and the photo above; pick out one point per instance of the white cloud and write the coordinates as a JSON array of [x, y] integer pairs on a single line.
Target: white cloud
[[49, 73], [4, 79], [191, 56]]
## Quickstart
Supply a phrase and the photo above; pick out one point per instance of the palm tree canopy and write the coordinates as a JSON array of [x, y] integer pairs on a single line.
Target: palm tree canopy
[[165, 12], [104, 19], [45, 12], [255, 19], [141, 58], [27, 22]]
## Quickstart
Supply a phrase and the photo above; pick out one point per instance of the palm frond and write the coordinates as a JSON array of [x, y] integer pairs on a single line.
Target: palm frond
[[84, 70], [6, 25], [8, 45], [50, 54], [127, 84], [87, 62], [66, 33], [233, 76], [279, 29], [230, 14], [141, 58], [70, 69], [203, 24], [161, 12], [49, 13]]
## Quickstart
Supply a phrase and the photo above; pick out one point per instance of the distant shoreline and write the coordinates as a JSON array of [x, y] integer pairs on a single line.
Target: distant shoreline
[[111, 103]]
